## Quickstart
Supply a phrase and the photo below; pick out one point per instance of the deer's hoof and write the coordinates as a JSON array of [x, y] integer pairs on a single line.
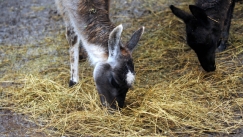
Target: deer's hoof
[[72, 83], [222, 46]]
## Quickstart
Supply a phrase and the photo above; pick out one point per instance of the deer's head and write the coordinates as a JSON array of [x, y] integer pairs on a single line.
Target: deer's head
[[114, 77], [203, 34]]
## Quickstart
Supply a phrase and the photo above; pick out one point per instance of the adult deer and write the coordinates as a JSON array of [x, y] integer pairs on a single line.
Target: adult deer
[[88, 25], [207, 28]]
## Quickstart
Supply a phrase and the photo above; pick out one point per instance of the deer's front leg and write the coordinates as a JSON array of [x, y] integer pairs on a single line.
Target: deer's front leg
[[226, 28], [74, 55]]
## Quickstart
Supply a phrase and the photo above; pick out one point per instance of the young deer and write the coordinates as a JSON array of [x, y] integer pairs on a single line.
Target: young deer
[[207, 28], [88, 25]]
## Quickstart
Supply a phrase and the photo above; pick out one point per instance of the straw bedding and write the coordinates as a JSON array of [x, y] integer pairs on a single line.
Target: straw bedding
[[172, 94]]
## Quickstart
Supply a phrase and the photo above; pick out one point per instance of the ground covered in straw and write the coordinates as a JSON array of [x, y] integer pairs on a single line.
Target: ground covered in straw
[[172, 94]]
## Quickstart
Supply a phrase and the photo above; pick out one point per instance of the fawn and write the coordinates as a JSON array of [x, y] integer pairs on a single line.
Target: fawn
[[88, 25]]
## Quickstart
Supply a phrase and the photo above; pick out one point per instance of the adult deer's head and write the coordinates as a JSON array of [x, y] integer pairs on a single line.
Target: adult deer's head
[[203, 34]]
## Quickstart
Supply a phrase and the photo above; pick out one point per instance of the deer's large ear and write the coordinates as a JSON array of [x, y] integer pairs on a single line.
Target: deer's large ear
[[114, 41], [199, 14], [132, 43], [180, 13]]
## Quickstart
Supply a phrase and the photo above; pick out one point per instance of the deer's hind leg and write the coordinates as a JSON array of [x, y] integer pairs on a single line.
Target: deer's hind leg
[[226, 28], [74, 44]]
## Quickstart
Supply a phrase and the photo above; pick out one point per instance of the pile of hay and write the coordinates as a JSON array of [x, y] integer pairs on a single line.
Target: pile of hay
[[172, 94]]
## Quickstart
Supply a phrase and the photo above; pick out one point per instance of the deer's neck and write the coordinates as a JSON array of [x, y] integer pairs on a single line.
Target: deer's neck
[[215, 9], [95, 27]]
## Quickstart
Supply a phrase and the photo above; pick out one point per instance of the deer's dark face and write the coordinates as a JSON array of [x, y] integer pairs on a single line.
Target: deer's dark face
[[202, 36], [113, 81], [203, 40], [114, 77]]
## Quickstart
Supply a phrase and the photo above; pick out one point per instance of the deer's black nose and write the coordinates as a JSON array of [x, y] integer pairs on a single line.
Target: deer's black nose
[[210, 68]]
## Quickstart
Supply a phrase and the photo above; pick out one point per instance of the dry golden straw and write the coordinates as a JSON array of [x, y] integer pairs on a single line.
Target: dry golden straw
[[172, 94]]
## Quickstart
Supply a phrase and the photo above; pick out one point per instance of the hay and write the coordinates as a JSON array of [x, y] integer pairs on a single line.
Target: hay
[[172, 95]]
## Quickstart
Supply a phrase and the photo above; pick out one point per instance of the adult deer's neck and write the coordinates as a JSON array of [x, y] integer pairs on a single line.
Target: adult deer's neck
[[95, 15], [217, 8]]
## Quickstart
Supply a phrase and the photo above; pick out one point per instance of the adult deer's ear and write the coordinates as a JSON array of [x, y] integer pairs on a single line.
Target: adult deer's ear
[[180, 13], [199, 14], [132, 43]]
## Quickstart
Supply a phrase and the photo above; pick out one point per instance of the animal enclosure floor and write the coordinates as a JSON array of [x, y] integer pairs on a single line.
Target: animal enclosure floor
[[34, 72]]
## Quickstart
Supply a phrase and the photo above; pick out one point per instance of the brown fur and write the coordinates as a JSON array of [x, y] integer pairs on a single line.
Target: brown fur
[[125, 52], [96, 15]]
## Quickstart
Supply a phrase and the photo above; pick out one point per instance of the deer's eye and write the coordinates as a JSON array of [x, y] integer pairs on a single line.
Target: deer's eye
[[114, 83]]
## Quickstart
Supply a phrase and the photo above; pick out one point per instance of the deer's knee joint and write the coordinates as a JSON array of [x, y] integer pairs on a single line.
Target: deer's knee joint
[[72, 37]]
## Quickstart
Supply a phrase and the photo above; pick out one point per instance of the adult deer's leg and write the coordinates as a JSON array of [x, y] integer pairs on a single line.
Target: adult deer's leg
[[225, 32], [73, 41]]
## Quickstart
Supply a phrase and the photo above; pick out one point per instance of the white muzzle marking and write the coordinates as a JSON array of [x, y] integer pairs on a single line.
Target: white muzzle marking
[[130, 78]]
